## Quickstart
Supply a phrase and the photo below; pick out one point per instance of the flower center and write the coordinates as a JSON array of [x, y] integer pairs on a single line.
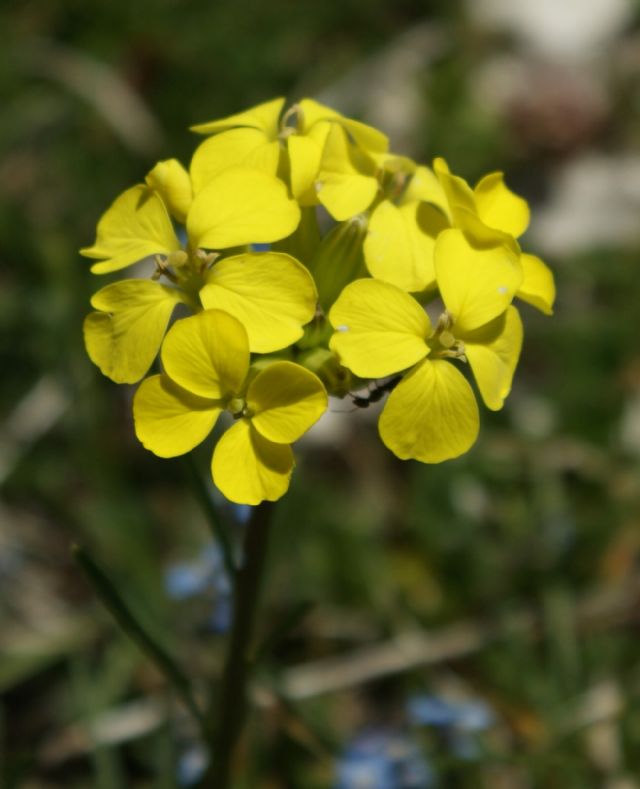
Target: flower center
[[185, 268], [238, 408], [443, 342]]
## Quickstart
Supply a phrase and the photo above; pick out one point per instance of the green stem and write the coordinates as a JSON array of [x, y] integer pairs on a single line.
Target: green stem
[[229, 711]]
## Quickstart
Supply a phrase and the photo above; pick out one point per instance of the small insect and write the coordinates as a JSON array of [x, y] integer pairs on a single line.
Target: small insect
[[377, 393]]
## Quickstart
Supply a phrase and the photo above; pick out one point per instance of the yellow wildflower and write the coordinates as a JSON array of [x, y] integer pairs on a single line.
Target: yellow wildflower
[[206, 372], [492, 211], [431, 415], [272, 293], [290, 144]]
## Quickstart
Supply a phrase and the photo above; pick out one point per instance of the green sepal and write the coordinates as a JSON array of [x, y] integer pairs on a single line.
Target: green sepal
[[303, 243]]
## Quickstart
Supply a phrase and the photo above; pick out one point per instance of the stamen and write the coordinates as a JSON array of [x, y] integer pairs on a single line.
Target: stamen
[[178, 259], [162, 269], [206, 259], [286, 130], [445, 322], [456, 351]]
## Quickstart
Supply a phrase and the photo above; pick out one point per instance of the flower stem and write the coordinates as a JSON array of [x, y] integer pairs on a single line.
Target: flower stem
[[229, 709]]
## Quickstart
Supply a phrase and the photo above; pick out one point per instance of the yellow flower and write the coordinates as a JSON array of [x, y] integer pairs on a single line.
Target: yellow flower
[[272, 293], [238, 206], [206, 372], [292, 146], [353, 178], [402, 227], [492, 211], [400, 243], [432, 415]]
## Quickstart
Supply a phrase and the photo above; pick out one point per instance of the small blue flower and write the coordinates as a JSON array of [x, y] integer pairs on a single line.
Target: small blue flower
[[191, 765], [458, 721], [383, 758], [426, 710], [205, 575], [186, 580]]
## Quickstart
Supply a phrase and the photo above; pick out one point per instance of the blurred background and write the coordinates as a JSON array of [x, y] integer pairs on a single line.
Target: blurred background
[[473, 624]]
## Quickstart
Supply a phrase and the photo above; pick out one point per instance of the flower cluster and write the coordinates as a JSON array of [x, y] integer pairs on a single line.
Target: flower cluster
[[356, 244]]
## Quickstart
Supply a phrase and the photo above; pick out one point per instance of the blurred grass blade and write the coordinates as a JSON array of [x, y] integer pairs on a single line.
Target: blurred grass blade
[[216, 523], [127, 621]]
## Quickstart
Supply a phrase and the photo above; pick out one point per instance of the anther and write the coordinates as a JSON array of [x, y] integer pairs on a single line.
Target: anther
[[285, 129], [177, 259], [206, 259], [162, 269]]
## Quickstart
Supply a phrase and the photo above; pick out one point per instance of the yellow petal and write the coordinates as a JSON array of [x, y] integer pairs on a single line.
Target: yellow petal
[[241, 206], [380, 329], [394, 163], [499, 207], [311, 112], [345, 194], [346, 183], [476, 285], [493, 353], [235, 148], [135, 226], [538, 287], [270, 293], [464, 213], [171, 181], [456, 189], [432, 414], [366, 137], [263, 116], [400, 242], [304, 162], [124, 337], [170, 421], [285, 400], [207, 354], [249, 469], [482, 236], [425, 186]]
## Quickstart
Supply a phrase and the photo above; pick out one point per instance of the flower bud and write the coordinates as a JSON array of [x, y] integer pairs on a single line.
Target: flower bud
[[339, 259], [338, 381]]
